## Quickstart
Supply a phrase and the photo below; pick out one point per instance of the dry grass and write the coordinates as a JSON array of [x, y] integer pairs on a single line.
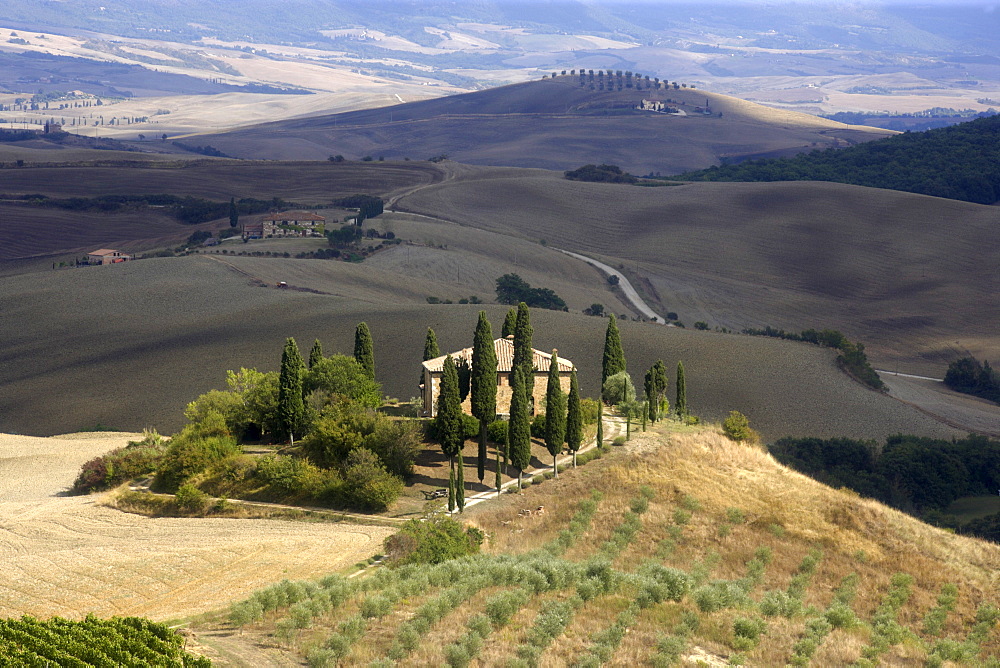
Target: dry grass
[[885, 267], [708, 475]]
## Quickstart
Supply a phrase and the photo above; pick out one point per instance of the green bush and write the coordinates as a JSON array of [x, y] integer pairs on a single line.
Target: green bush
[[190, 499], [497, 432], [190, 453], [736, 427], [619, 440], [502, 606], [346, 426], [618, 388], [538, 426], [135, 459], [368, 484], [433, 541], [589, 410], [470, 428]]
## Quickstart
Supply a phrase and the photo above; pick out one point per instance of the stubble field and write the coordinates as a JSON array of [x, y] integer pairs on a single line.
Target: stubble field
[[71, 556]]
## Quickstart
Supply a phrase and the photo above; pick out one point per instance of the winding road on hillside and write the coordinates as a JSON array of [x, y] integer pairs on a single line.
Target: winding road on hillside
[[630, 293]]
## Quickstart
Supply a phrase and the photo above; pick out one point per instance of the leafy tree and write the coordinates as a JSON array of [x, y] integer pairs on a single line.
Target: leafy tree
[[343, 376], [614, 356], [291, 409], [483, 384], [680, 403], [509, 323], [234, 214], [363, 349], [736, 427], [372, 486], [600, 174], [574, 417], [449, 421], [316, 353], [431, 346], [512, 289], [618, 388], [971, 376], [555, 413]]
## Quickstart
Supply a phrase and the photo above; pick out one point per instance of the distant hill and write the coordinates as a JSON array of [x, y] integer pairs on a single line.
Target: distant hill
[[557, 123], [911, 276], [958, 162]]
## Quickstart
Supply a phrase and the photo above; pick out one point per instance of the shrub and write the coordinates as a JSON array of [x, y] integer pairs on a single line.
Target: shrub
[[291, 476], [369, 485], [190, 499], [470, 428], [433, 541], [619, 440], [190, 453], [135, 459], [497, 432], [538, 426], [502, 606], [736, 427], [589, 410]]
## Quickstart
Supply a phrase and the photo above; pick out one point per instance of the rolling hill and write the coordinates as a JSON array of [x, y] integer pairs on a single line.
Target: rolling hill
[[557, 123], [911, 276], [129, 345], [958, 162]]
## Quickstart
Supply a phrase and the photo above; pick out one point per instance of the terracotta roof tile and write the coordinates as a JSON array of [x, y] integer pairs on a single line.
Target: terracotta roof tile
[[505, 357]]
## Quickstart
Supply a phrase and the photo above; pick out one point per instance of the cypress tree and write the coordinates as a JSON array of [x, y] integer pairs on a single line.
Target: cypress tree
[[431, 346], [555, 413], [681, 402], [574, 417], [509, 323], [614, 356], [449, 422], [649, 385], [430, 350], [316, 354], [523, 356], [600, 423], [460, 485], [660, 385], [363, 349], [234, 214], [291, 408], [519, 427], [484, 384]]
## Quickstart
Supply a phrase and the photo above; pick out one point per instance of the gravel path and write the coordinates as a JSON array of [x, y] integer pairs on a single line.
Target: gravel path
[[623, 283]]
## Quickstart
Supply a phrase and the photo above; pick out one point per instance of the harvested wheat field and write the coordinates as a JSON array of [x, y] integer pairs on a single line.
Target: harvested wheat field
[[71, 556], [157, 333]]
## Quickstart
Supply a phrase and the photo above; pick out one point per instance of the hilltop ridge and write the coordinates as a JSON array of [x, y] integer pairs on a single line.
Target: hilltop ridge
[[555, 123]]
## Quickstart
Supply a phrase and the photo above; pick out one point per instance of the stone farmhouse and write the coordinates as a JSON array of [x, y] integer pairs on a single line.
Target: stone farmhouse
[[286, 224], [434, 368], [107, 256]]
